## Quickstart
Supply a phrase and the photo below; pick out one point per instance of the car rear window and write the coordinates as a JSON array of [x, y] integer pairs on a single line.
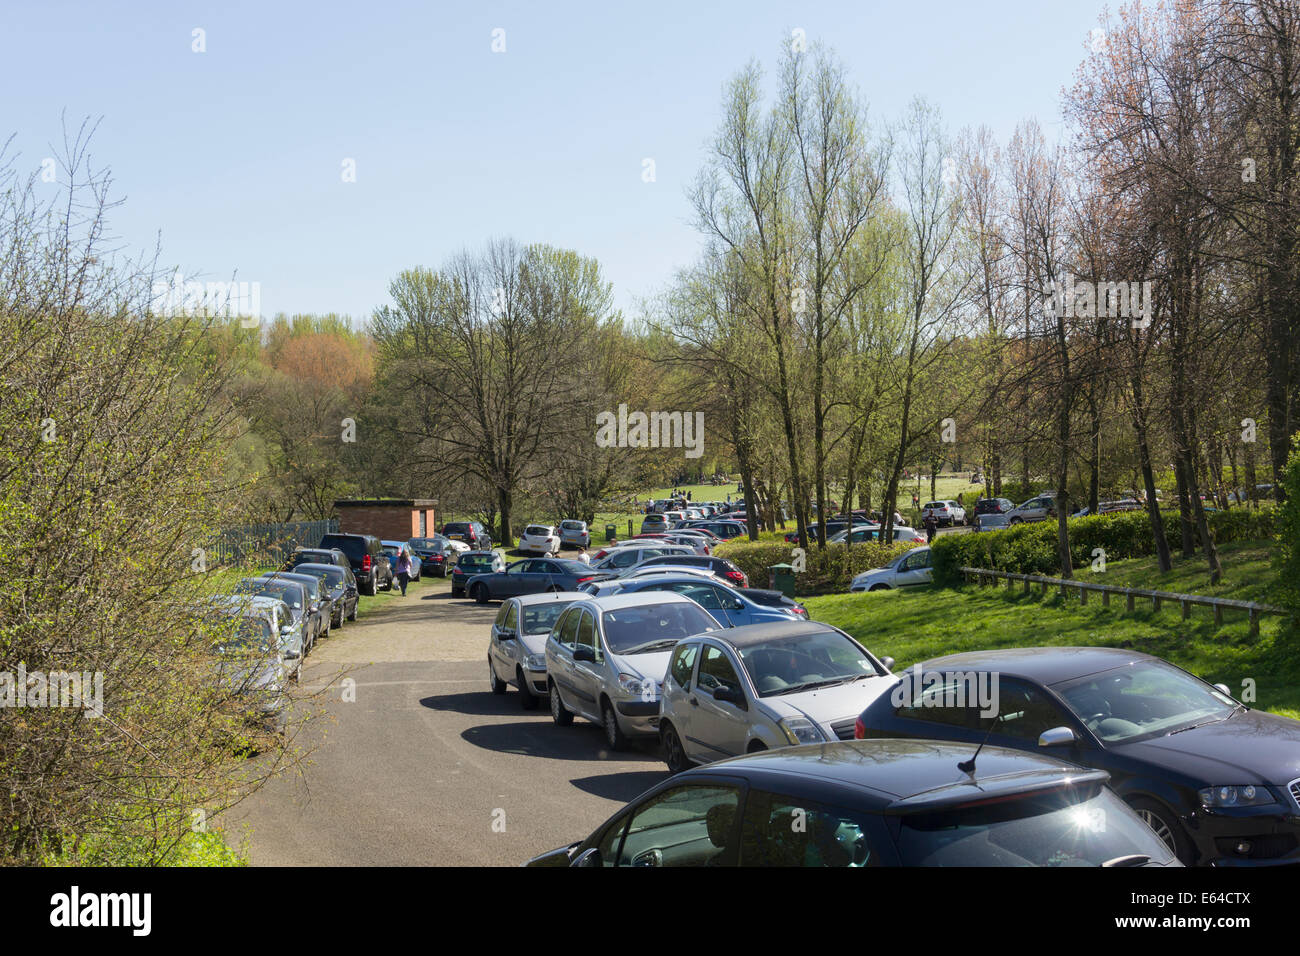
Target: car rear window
[[538, 530], [475, 561], [351, 545]]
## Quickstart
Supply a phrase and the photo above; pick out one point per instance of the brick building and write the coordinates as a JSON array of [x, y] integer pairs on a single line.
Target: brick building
[[393, 519]]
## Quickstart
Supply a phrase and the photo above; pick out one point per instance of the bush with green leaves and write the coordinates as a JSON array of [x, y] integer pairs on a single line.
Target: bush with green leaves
[[1287, 589]]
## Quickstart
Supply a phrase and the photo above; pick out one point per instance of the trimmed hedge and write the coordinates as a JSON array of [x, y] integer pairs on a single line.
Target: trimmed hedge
[[1031, 548], [829, 569]]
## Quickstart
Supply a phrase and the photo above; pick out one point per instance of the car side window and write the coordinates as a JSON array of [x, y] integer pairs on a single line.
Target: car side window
[[519, 567], [685, 826], [1025, 711], [683, 663], [512, 616], [501, 615], [716, 670], [954, 704], [623, 559], [703, 595], [586, 634], [566, 629], [780, 830]]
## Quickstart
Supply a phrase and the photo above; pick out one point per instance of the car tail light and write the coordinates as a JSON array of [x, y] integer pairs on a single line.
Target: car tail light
[[589, 577], [365, 562], [738, 577], [859, 729], [801, 611]]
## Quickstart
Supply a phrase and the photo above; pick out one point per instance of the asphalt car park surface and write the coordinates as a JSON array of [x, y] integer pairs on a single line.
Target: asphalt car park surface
[[427, 766]]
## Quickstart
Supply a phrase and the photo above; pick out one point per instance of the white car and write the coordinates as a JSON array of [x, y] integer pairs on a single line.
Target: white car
[[907, 570], [540, 539], [619, 559], [945, 512], [871, 532]]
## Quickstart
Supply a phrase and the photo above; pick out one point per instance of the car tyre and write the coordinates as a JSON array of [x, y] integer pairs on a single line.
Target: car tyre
[[559, 714], [614, 735], [353, 615], [674, 752], [527, 699], [479, 593], [497, 684], [1166, 826], [878, 587]]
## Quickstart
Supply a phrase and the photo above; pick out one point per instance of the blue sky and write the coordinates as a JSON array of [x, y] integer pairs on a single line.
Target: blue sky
[[234, 156]]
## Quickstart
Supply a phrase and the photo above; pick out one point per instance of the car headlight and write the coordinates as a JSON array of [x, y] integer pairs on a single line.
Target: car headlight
[[801, 730], [1248, 795], [536, 662], [638, 687]]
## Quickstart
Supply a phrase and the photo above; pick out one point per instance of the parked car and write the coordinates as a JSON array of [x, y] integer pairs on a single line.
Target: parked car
[[251, 664], [394, 550], [907, 570], [946, 512], [720, 566], [437, 554], [540, 539], [315, 556], [991, 522], [873, 803], [626, 555], [286, 633], [471, 563], [993, 506], [1035, 509], [341, 586], [319, 607], [366, 556], [763, 686], [575, 533], [517, 647], [863, 533], [529, 576], [726, 605], [294, 596], [654, 522], [1218, 782], [606, 657], [472, 533]]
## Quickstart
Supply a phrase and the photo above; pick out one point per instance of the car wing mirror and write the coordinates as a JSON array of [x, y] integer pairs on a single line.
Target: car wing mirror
[[1223, 689], [584, 653], [505, 634], [731, 696], [1057, 737], [887, 663], [588, 858]]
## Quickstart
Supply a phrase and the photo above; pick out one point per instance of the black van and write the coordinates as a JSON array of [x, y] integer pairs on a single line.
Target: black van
[[366, 556]]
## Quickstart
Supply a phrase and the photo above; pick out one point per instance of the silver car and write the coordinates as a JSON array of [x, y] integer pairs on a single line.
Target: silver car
[[517, 647], [606, 657], [575, 533], [1035, 509], [628, 555], [907, 570], [764, 686]]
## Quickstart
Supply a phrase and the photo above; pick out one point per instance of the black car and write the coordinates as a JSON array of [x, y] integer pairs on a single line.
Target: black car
[[342, 587], [470, 532], [435, 553], [874, 803], [315, 556], [1219, 782], [993, 506], [530, 576], [367, 558]]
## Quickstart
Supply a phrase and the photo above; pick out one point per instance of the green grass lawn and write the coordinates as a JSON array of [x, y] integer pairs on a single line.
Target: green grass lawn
[[915, 625], [1247, 574]]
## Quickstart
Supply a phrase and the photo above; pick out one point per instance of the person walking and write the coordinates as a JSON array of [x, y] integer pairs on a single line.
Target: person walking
[[931, 527], [403, 569], [583, 556]]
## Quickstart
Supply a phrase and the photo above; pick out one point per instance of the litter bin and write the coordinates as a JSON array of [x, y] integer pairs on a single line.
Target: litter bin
[[610, 532], [780, 577]]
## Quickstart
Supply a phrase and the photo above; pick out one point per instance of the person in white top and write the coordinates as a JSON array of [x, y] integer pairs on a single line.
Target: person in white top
[[583, 556]]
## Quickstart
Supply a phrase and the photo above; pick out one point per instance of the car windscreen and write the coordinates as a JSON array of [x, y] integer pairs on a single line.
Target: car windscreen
[[332, 575], [646, 628], [540, 618], [1143, 699], [353, 547], [794, 664], [1070, 827], [428, 544], [249, 634], [290, 594]]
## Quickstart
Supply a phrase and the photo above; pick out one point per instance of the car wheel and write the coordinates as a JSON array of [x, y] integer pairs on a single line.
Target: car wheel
[[1014, 521], [614, 735], [353, 615], [878, 587], [1166, 826], [497, 684], [674, 752], [368, 589], [479, 593], [527, 699], [558, 713]]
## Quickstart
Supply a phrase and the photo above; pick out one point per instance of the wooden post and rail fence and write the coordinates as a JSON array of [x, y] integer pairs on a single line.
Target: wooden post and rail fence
[[987, 578]]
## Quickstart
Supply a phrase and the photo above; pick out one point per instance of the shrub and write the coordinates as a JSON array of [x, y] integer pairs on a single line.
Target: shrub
[[1031, 548], [828, 569], [1287, 591]]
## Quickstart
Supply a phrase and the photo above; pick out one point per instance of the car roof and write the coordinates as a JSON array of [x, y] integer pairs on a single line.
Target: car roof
[[289, 576], [615, 601], [749, 634], [477, 554], [251, 603], [1047, 665], [900, 776], [548, 597], [324, 567]]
